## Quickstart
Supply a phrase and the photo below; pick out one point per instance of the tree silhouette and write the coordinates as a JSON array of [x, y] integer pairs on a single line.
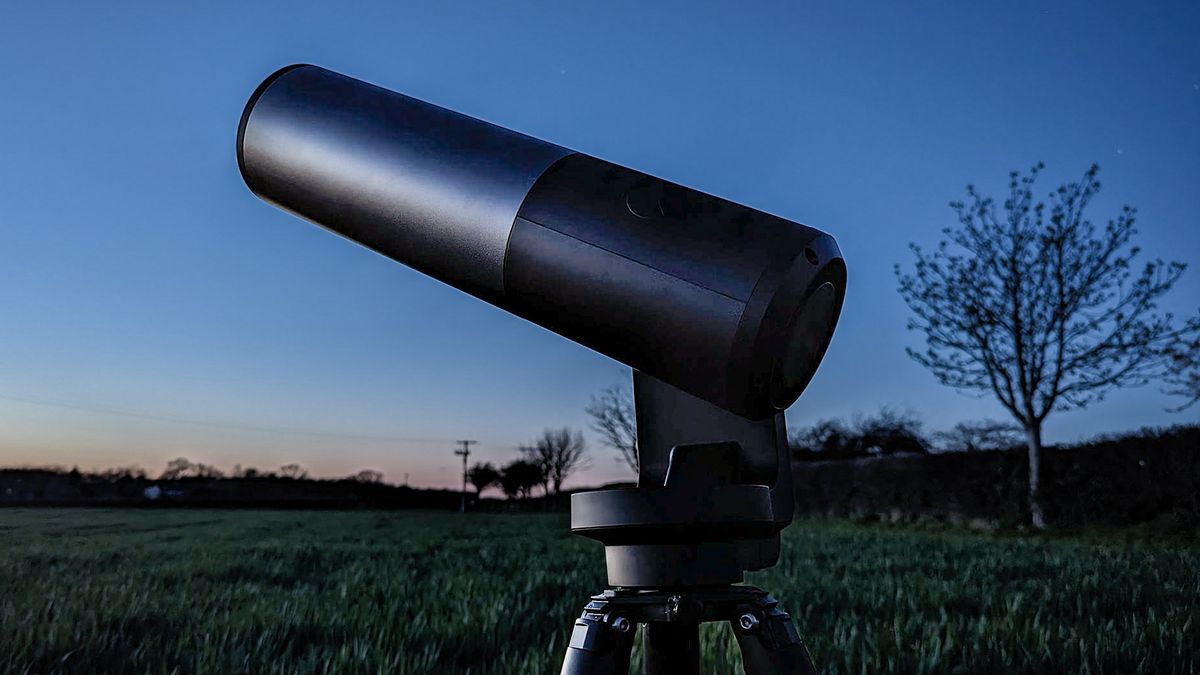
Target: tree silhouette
[[182, 468], [1039, 306], [176, 468], [557, 453], [368, 476], [519, 478], [293, 471], [120, 473], [206, 471], [1183, 373], [827, 439], [245, 472], [613, 417], [887, 432], [482, 475], [891, 431], [981, 435]]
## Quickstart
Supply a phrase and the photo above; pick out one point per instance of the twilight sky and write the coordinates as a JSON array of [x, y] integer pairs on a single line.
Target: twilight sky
[[151, 307]]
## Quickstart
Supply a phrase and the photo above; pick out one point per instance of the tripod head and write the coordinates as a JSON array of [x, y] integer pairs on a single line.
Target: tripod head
[[714, 490]]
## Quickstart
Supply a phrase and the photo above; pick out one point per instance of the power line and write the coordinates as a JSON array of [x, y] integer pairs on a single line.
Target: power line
[[228, 426]]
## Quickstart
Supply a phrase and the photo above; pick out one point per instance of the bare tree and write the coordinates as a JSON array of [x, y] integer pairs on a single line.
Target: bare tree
[[182, 468], [176, 468], [367, 476], [293, 471], [613, 418], [891, 431], [206, 471], [1039, 306], [1183, 372], [981, 435], [827, 439], [483, 475], [558, 453]]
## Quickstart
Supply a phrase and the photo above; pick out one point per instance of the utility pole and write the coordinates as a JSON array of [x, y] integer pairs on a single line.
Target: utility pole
[[465, 452]]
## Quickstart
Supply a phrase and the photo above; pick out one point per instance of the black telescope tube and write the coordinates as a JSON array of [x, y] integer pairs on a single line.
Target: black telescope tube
[[730, 304]]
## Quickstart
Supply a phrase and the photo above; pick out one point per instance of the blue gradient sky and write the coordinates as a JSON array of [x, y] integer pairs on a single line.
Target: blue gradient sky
[[150, 307]]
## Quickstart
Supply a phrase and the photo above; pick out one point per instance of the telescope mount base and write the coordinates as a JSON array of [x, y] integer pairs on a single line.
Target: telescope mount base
[[602, 639]]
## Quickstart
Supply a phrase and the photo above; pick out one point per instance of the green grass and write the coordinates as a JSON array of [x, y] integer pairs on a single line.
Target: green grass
[[364, 592]]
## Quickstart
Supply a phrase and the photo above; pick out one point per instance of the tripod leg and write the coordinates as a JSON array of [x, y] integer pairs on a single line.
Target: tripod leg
[[770, 644], [596, 648], [672, 649]]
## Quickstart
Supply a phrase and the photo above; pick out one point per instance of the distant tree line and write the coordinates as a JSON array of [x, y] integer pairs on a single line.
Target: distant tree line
[[186, 483], [183, 468], [1141, 477], [888, 432], [893, 431], [542, 467]]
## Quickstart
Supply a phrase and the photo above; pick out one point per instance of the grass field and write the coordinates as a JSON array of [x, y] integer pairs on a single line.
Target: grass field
[[364, 592]]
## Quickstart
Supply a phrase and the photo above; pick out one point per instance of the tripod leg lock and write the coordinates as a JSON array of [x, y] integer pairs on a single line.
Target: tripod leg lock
[[600, 643], [769, 642]]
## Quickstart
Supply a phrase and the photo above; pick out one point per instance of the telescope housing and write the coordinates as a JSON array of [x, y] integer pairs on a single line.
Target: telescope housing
[[729, 304]]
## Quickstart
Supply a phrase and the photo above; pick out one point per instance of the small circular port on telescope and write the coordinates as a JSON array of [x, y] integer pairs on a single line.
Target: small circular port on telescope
[[645, 200]]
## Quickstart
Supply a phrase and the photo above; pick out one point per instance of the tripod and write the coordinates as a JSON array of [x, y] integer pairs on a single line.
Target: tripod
[[603, 636], [714, 491]]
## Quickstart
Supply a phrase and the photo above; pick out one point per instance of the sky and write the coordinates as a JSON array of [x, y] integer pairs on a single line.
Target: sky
[[151, 307]]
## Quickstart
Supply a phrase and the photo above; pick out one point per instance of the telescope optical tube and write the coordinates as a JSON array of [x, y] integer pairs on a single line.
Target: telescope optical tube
[[730, 304]]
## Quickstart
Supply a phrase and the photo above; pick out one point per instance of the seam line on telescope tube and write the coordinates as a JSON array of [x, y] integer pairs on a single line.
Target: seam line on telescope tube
[[622, 256], [517, 216]]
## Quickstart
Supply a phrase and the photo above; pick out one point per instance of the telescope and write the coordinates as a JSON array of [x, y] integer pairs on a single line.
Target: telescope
[[722, 312]]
